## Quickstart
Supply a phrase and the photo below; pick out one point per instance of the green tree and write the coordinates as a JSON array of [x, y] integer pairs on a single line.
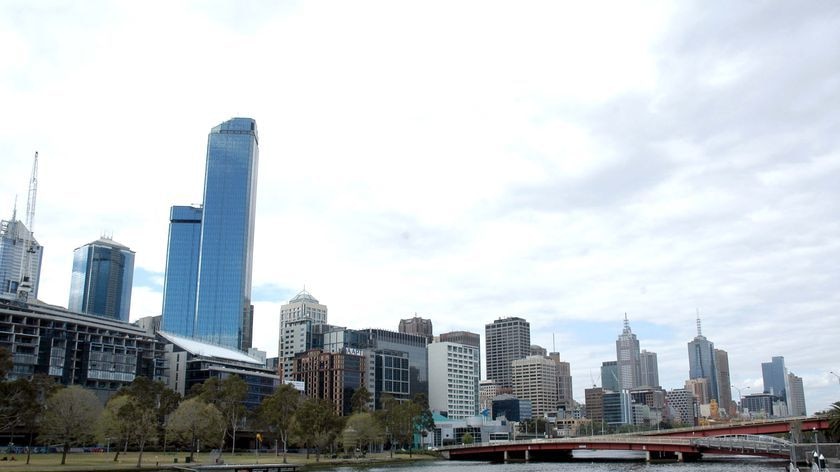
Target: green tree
[[360, 400], [277, 413], [129, 420], [467, 438], [834, 421], [195, 420], [317, 424], [112, 426], [399, 419], [424, 423], [362, 431], [68, 414], [228, 396]]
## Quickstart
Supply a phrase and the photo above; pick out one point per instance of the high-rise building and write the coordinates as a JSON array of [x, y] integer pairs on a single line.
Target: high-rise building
[[774, 374], [223, 311], [700, 389], [453, 382], [617, 408], [331, 376], [417, 326], [13, 237], [609, 376], [565, 391], [595, 404], [628, 358], [181, 280], [506, 339], [487, 390], [102, 277], [701, 363], [682, 406], [650, 369], [538, 350], [461, 337], [724, 382], [796, 396], [535, 379], [297, 319]]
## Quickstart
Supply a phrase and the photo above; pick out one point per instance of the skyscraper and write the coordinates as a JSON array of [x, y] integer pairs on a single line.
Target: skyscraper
[[774, 375], [535, 378], [796, 396], [701, 363], [724, 382], [564, 383], [506, 340], [13, 235], [101, 282], [418, 326], [650, 369], [609, 376], [628, 358], [223, 312], [296, 321], [179, 286], [453, 382]]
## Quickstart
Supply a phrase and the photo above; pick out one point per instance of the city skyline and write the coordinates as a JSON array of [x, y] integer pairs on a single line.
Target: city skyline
[[576, 167]]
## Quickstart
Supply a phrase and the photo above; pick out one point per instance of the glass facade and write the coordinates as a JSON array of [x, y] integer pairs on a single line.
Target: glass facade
[[12, 250], [179, 288], [102, 277], [223, 294]]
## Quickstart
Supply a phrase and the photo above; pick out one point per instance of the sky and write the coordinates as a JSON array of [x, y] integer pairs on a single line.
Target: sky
[[564, 162]]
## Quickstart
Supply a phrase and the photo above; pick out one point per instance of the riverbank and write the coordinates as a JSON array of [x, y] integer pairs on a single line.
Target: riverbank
[[155, 461]]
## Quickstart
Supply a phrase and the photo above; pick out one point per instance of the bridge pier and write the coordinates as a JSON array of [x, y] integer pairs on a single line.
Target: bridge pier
[[688, 456], [662, 456], [527, 455]]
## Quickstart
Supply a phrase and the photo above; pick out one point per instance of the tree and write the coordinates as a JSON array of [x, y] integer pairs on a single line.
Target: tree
[[467, 438], [277, 413], [317, 424], [228, 396], [362, 431], [195, 420], [5, 362], [399, 419], [425, 421], [68, 414], [130, 420], [360, 400], [112, 425], [834, 421]]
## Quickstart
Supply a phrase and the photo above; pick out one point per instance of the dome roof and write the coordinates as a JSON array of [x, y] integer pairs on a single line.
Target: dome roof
[[303, 296]]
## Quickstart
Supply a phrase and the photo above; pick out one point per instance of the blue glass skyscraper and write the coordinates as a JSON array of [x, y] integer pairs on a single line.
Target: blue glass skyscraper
[[103, 272], [179, 287], [223, 313], [701, 362]]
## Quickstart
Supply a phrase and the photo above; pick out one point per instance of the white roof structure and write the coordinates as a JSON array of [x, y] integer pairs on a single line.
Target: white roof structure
[[209, 350]]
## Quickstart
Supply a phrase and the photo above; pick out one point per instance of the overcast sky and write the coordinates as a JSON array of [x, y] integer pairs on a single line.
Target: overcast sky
[[563, 162]]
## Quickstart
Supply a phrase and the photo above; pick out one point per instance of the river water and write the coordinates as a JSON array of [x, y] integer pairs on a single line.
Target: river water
[[708, 464]]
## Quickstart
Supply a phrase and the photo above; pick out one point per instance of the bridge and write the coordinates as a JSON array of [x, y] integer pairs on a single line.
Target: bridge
[[686, 444]]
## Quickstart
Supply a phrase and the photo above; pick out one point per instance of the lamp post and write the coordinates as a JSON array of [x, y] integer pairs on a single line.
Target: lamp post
[[838, 376], [740, 398]]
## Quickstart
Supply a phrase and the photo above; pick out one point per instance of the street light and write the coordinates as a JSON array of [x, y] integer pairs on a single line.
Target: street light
[[740, 397], [838, 376]]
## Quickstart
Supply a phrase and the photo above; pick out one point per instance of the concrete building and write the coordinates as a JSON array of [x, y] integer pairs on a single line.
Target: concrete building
[[535, 379], [13, 237], [761, 405], [565, 390], [331, 376], [98, 353], [538, 351], [461, 337], [595, 404], [487, 390], [506, 339], [417, 326], [453, 379], [796, 396], [298, 318], [628, 358], [724, 383], [650, 369], [681, 407], [700, 389]]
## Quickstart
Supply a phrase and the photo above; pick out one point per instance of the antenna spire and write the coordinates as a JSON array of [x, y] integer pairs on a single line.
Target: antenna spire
[[699, 330], [626, 323]]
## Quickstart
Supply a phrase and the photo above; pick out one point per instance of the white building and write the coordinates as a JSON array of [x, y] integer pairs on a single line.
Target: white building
[[296, 321], [13, 234], [535, 379], [454, 372]]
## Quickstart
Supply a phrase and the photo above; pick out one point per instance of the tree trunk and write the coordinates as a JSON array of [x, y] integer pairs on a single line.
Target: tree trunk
[[233, 442], [29, 447], [284, 451], [140, 457], [64, 453]]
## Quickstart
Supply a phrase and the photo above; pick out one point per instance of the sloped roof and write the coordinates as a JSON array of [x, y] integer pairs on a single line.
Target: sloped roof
[[209, 350]]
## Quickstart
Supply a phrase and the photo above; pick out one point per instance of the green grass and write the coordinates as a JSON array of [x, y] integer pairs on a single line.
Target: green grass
[[100, 461]]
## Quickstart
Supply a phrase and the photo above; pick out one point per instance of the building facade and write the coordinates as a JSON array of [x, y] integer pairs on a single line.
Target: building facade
[[453, 380], [681, 406], [100, 285], [223, 297], [331, 376], [609, 376], [775, 377], [181, 279], [701, 364], [417, 326], [461, 337], [297, 319], [650, 369], [565, 390], [13, 237], [535, 379], [724, 383], [506, 340], [628, 358], [796, 396]]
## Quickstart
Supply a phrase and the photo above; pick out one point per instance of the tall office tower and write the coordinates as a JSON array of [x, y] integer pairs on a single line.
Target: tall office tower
[[535, 379], [609, 376], [701, 363], [297, 319], [564, 383], [453, 379], [13, 236], [506, 340], [418, 326], [628, 358], [775, 376], [223, 296], [700, 389], [181, 280], [724, 382], [101, 282], [796, 396], [331, 376], [595, 404], [650, 369]]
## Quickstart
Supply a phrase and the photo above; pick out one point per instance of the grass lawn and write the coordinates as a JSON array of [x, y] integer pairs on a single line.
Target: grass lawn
[[101, 461]]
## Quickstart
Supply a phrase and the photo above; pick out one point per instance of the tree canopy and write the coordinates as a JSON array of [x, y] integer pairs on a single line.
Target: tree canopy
[[195, 420], [68, 416], [276, 413]]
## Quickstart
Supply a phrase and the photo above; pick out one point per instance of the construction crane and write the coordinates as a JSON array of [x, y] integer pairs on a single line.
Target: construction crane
[[25, 287]]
